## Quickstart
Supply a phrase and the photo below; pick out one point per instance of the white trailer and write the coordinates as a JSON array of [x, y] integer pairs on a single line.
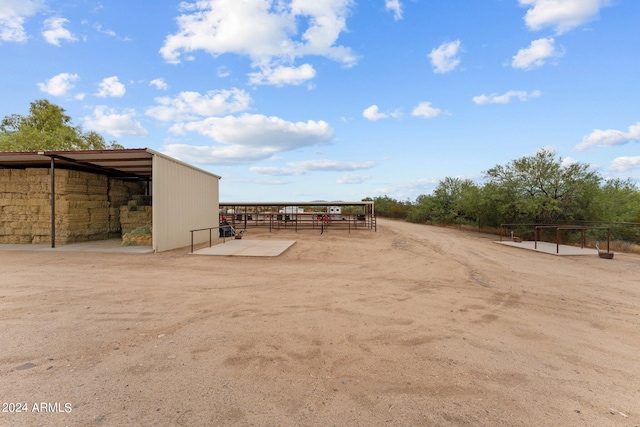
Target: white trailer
[[335, 213], [291, 210], [290, 213]]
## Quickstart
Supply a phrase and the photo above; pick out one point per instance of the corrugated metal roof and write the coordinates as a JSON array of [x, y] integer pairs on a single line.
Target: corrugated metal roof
[[133, 163], [316, 203]]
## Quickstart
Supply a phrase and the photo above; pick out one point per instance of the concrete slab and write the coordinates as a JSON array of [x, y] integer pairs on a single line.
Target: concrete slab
[[550, 248], [108, 246], [243, 247]]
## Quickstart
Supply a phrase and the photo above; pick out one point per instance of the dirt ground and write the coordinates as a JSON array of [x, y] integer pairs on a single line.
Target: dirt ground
[[412, 325]]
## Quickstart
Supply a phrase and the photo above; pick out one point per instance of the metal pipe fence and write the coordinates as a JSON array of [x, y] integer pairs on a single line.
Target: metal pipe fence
[[224, 237], [301, 221]]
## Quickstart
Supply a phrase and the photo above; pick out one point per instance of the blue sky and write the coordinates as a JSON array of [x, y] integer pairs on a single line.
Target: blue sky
[[300, 100]]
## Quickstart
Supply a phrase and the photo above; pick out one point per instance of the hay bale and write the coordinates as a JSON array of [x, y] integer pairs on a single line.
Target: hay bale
[[74, 189], [140, 236], [73, 197], [87, 204], [142, 200], [12, 240]]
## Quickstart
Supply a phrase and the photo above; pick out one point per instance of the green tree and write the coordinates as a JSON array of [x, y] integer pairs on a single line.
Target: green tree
[[391, 208], [422, 210], [496, 206], [456, 198], [47, 127], [469, 202], [617, 201], [539, 188], [446, 197]]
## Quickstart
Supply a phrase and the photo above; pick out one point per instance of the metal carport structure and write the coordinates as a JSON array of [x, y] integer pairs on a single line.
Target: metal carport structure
[[184, 197], [249, 214]]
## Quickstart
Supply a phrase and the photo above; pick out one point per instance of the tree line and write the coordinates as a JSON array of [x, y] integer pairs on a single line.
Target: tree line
[[536, 189]]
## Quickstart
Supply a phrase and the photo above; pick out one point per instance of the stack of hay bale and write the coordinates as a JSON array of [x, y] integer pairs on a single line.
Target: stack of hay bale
[[83, 207], [24, 205], [136, 213], [120, 192], [135, 220]]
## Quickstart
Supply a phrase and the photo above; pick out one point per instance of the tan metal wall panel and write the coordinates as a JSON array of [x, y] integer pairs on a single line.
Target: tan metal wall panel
[[184, 199]]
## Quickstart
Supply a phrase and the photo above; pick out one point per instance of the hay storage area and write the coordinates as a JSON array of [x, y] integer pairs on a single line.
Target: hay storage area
[[87, 205]]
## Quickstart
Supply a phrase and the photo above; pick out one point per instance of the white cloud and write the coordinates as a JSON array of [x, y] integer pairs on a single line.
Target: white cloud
[[111, 87], [274, 171], [194, 105], [609, 138], [281, 75], [304, 166], [623, 164], [13, 14], [372, 113], [394, 6], [108, 120], [98, 27], [254, 181], [58, 85], [247, 138], [223, 72], [409, 189], [101, 30], [280, 33], [54, 31], [218, 154], [445, 57], [352, 179], [568, 161], [536, 54], [256, 130], [159, 84], [424, 109], [522, 95], [330, 165], [562, 15]]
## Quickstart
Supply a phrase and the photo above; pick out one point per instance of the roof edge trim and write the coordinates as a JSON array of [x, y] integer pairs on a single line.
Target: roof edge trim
[[173, 159]]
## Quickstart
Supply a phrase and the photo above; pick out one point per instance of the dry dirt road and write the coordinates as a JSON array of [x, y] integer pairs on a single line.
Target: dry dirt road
[[412, 325]]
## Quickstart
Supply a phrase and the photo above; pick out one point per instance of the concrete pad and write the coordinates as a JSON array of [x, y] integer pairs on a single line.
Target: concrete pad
[[550, 248], [109, 246], [243, 247]]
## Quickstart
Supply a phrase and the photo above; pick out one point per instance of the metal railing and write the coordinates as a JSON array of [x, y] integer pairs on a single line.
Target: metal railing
[[559, 228], [538, 228], [224, 234]]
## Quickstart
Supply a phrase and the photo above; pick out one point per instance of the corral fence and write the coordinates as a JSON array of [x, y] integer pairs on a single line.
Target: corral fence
[[320, 217], [622, 235], [301, 221]]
